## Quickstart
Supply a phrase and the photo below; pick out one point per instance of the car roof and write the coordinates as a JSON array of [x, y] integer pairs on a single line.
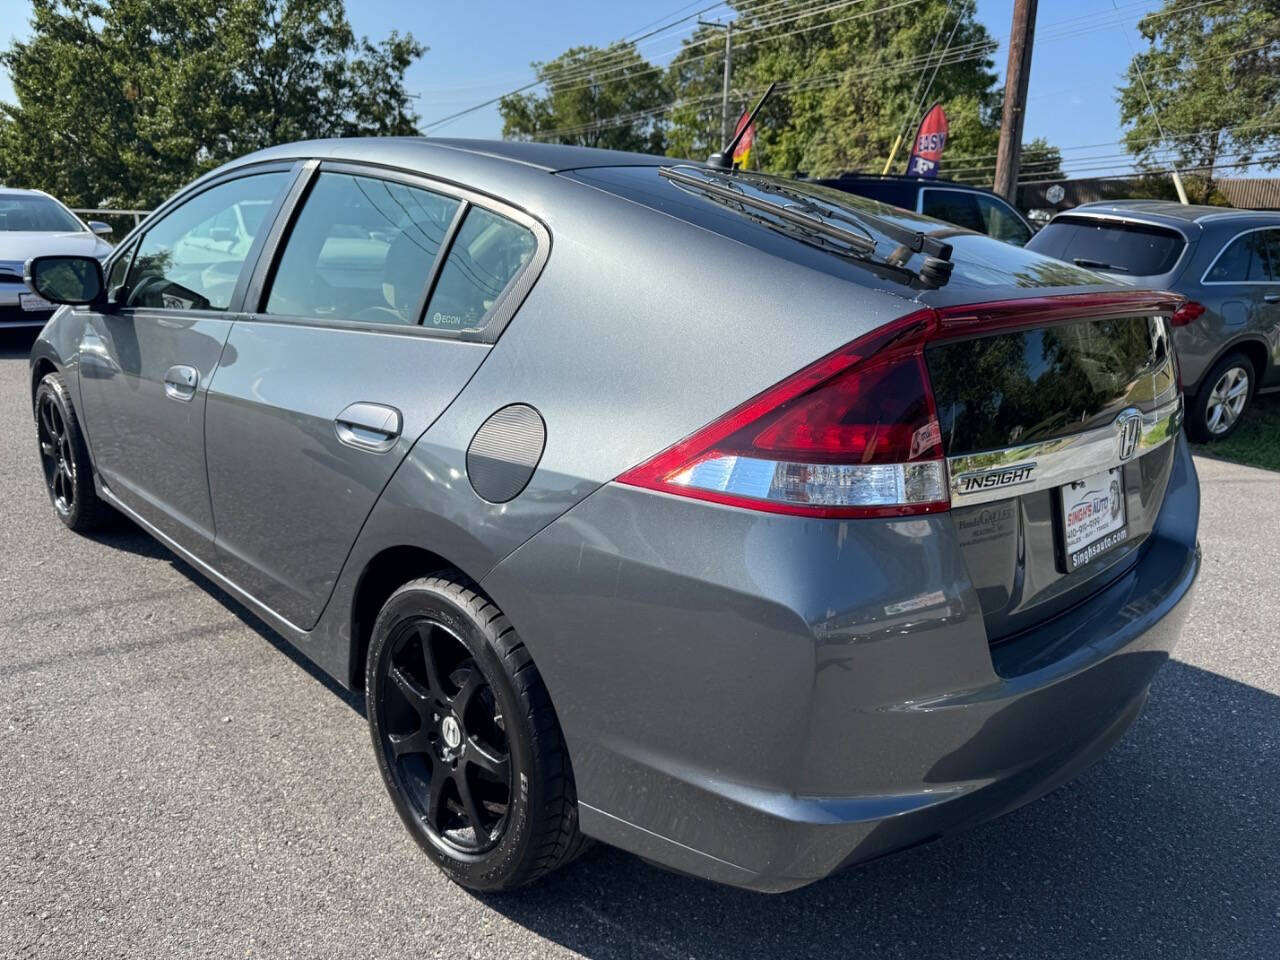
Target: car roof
[[19, 192], [1171, 214], [547, 157]]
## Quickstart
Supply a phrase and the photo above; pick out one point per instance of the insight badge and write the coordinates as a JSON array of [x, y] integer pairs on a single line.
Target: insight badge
[[999, 477]]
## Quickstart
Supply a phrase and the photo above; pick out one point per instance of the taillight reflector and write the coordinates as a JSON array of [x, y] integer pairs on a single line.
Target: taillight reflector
[[855, 434], [1189, 312]]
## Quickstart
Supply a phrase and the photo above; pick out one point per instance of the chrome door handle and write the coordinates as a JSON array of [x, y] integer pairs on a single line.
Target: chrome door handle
[[180, 382], [1271, 297], [368, 426]]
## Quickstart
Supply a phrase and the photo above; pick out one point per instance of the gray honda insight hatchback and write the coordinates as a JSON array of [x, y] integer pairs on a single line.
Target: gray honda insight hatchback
[[755, 528]]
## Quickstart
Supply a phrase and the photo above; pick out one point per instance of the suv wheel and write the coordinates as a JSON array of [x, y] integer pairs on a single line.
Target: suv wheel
[[64, 458], [466, 738], [1223, 398]]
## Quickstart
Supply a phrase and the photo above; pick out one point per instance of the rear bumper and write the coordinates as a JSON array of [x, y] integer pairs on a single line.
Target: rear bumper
[[764, 700]]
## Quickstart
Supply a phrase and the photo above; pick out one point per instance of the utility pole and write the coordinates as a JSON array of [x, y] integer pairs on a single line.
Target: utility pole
[[726, 130], [1009, 153]]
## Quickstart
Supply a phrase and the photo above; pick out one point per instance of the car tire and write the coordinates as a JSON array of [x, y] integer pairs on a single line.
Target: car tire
[[464, 731], [1224, 396], [64, 459]]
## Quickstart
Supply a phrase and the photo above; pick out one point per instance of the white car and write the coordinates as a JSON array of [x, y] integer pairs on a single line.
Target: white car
[[33, 224]]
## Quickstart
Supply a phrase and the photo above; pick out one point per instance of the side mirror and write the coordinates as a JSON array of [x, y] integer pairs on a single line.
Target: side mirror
[[100, 228], [74, 280]]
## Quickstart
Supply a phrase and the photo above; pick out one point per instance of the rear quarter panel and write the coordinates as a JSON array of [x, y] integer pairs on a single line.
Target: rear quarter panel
[[641, 329]]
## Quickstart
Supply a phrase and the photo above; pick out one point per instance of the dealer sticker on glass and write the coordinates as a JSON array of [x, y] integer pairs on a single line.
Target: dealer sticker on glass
[[1093, 517]]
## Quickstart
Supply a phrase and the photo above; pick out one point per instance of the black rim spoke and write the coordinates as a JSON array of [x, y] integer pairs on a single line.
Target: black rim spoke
[[424, 635], [46, 414], [471, 806], [487, 759], [461, 701], [443, 738], [437, 809], [403, 744], [413, 692]]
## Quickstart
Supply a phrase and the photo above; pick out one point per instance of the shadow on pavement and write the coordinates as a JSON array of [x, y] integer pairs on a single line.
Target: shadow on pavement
[[1168, 847], [128, 536]]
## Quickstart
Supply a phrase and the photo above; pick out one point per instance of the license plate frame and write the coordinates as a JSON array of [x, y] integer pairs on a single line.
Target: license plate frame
[[33, 303], [1092, 518]]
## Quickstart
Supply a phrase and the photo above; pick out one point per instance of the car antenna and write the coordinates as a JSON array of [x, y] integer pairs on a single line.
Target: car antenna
[[724, 159]]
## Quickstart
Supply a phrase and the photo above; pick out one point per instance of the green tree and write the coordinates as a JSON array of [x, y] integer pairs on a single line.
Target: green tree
[[1213, 74], [121, 103], [849, 83], [593, 97]]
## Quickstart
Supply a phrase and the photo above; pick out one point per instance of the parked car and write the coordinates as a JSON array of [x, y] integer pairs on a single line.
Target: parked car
[[1226, 262], [962, 204], [716, 516], [32, 223]]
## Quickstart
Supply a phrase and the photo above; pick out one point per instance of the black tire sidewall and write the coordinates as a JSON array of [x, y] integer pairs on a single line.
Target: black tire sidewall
[[498, 867], [1198, 427], [53, 386]]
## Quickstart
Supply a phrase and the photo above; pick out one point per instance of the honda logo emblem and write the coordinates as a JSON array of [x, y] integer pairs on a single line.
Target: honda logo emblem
[[1128, 433]]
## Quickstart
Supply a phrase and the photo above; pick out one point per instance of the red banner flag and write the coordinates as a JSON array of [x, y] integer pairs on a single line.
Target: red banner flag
[[931, 139], [743, 150]]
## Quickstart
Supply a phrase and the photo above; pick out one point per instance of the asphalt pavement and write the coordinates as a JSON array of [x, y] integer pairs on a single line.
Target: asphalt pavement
[[176, 780]]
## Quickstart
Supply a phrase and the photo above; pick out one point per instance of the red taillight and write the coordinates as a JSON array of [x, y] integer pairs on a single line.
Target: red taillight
[[853, 435], [1187, 313]]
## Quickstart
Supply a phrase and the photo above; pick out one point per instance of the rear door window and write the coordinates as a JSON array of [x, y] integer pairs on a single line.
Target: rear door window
[[187, 261], [361, 249], [1251, 258], [1140, 249], [954, 206], [484, 258]]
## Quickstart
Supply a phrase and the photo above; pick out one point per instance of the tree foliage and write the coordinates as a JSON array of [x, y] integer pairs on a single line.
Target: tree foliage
[[1213, 74], [593, 97], [121, 103], [849, 80]]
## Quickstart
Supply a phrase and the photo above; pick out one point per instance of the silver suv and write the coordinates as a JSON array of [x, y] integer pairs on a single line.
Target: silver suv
[[1227, 264]]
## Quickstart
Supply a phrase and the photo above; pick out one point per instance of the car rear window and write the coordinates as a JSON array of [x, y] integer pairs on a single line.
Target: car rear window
[[1140, 249], [1024, 386]]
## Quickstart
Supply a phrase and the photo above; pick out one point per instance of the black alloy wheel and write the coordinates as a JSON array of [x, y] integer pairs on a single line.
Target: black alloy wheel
[[56, 457], [64, 459], [466, 738], [445, 738]]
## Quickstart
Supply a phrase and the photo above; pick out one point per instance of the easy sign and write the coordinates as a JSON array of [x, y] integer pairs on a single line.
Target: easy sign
[[931, 139]]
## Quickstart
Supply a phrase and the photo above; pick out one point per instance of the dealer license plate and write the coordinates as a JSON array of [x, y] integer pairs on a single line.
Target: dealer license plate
[[29, 301], [1093, 517]]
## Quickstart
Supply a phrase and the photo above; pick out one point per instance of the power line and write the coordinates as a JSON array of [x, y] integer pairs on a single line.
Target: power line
[[528, 86]]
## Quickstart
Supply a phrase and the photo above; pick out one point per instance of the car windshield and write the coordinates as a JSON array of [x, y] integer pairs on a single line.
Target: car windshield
[[36, 214], [1139, 249]]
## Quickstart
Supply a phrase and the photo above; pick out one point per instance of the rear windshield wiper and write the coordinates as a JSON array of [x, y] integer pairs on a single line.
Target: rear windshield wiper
[[850, 230], [1098, 265]]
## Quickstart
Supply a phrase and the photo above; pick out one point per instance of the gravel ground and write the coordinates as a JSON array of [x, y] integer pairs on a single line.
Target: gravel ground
[[177, 781]]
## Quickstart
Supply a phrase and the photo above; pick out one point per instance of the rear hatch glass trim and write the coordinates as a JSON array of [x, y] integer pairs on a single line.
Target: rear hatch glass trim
[[997, 475]]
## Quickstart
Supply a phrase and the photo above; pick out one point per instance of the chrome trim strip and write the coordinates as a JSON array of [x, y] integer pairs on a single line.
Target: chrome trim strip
[[1051, 463]]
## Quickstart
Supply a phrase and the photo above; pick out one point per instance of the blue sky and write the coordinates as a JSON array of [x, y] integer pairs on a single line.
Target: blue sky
[[483, 48]]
